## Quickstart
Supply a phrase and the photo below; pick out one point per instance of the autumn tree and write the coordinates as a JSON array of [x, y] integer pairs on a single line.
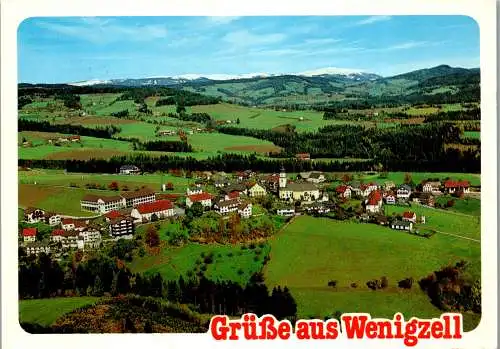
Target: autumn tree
[[113, 186], [152, 237]]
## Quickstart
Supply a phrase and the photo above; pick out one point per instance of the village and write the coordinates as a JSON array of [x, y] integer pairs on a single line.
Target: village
[[309, 193]]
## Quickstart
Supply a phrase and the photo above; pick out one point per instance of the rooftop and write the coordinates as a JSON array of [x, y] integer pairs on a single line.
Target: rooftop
[[156, 206]]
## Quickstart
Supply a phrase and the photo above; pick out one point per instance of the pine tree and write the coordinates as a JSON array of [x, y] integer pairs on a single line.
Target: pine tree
[[98, 289]]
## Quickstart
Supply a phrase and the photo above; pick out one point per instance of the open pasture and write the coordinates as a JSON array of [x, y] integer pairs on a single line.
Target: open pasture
[[228, 260], [46, 311], [310, 252]]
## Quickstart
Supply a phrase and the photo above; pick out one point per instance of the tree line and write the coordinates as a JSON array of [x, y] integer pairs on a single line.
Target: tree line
[[452, 160], [42, 277], [45, 126], [455, 115], [167, 146]]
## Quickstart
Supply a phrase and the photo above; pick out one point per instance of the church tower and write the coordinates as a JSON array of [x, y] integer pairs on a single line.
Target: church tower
[[282, 178]]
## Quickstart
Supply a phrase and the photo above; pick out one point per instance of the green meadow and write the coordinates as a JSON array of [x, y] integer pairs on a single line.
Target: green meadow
[[46, 311], [312, 251]]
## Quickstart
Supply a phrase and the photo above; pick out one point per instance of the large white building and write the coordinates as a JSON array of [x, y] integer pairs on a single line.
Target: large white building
[[204, 198], [161, 209], [104, 204], [297, 191]]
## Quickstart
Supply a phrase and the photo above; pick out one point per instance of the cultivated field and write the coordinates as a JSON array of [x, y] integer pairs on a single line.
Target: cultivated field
[[312, 251]]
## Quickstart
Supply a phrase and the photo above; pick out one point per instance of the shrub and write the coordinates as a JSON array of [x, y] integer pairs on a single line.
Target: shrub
[[384, 282], [208, 259], [354, 285], [332, 283], [240, 271], [251, 246], [256, 258], [243, 247], [406, 283], [373, 284], [230, 254], [203, 267]]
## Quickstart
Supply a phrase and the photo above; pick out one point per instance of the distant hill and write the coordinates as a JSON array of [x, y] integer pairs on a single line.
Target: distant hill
[[317, 86]]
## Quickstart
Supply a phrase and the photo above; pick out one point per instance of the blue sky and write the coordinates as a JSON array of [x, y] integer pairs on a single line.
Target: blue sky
[[69, 49]]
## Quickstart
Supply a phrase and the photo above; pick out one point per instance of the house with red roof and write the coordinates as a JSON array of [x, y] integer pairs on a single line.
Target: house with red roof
[[374, 202], [453, 186], [410, 216], [204, 198], [57, 235], [343, 191], [366, 189], [74, 224], [161, 209], [111, 215], [29, 234]]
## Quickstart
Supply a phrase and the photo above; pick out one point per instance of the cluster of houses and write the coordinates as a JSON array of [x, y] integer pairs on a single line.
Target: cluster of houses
[[67, 234], [64, 139]]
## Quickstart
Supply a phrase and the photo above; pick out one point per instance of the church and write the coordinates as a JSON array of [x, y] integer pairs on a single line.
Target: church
[[302, 191]]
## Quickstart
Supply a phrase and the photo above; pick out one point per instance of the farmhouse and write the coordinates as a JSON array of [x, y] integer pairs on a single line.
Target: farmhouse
[[194, 189], [431, 187], [52, 218], [35, 248], [313, 177], [221, 183], [166, 133], [402, 225], [68, 239], [457, 186], [390, 199], [286, 211], [343, 191], [256, 190], [33, 215], [239, 187], [245, 209], [271, 182], [403, 192], [389, 185], [122, 227], [231, 195], [73, 224], [91, 238], [227, 206], [102, 204], [142, 196], [29, 234], [409, 216], [160, 208], [424, 199], [366, 189], [297, 191], [129, 169], [204, 198], [303, 156], [374, 202]]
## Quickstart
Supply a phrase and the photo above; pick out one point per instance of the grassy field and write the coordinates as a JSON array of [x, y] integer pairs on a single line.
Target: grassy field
[[312, 251], [62, 200], [441, 220], [59, 178], [227, 263], [468, 206], [417, 177], [46, 311], [472, 134]]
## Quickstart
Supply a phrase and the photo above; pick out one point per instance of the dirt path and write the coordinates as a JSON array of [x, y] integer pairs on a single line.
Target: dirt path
[[458, 236]]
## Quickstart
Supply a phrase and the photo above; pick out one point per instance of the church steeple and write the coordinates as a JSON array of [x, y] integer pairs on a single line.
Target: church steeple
[[283, 178]]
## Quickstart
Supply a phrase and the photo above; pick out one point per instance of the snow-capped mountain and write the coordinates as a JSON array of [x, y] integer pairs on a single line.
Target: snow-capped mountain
[[350, 74]]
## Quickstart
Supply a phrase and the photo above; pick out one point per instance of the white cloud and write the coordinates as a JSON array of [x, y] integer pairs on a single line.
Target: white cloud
[[321, 41], [102, 31], [245, 38], [408, 45], [373, 19]]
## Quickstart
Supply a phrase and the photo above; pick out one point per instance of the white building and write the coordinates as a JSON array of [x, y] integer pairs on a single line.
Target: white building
[[204, 198], [102, 204], [288, 211], [431, 187], [141, 196], [374, 202], [227, 206], [35, 248], [129, 169], [297, 191], [257, 190], [402, 225], [29, 235], [91, 238], [161, 209], [245, 209], [403, 192], [33, 215]]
